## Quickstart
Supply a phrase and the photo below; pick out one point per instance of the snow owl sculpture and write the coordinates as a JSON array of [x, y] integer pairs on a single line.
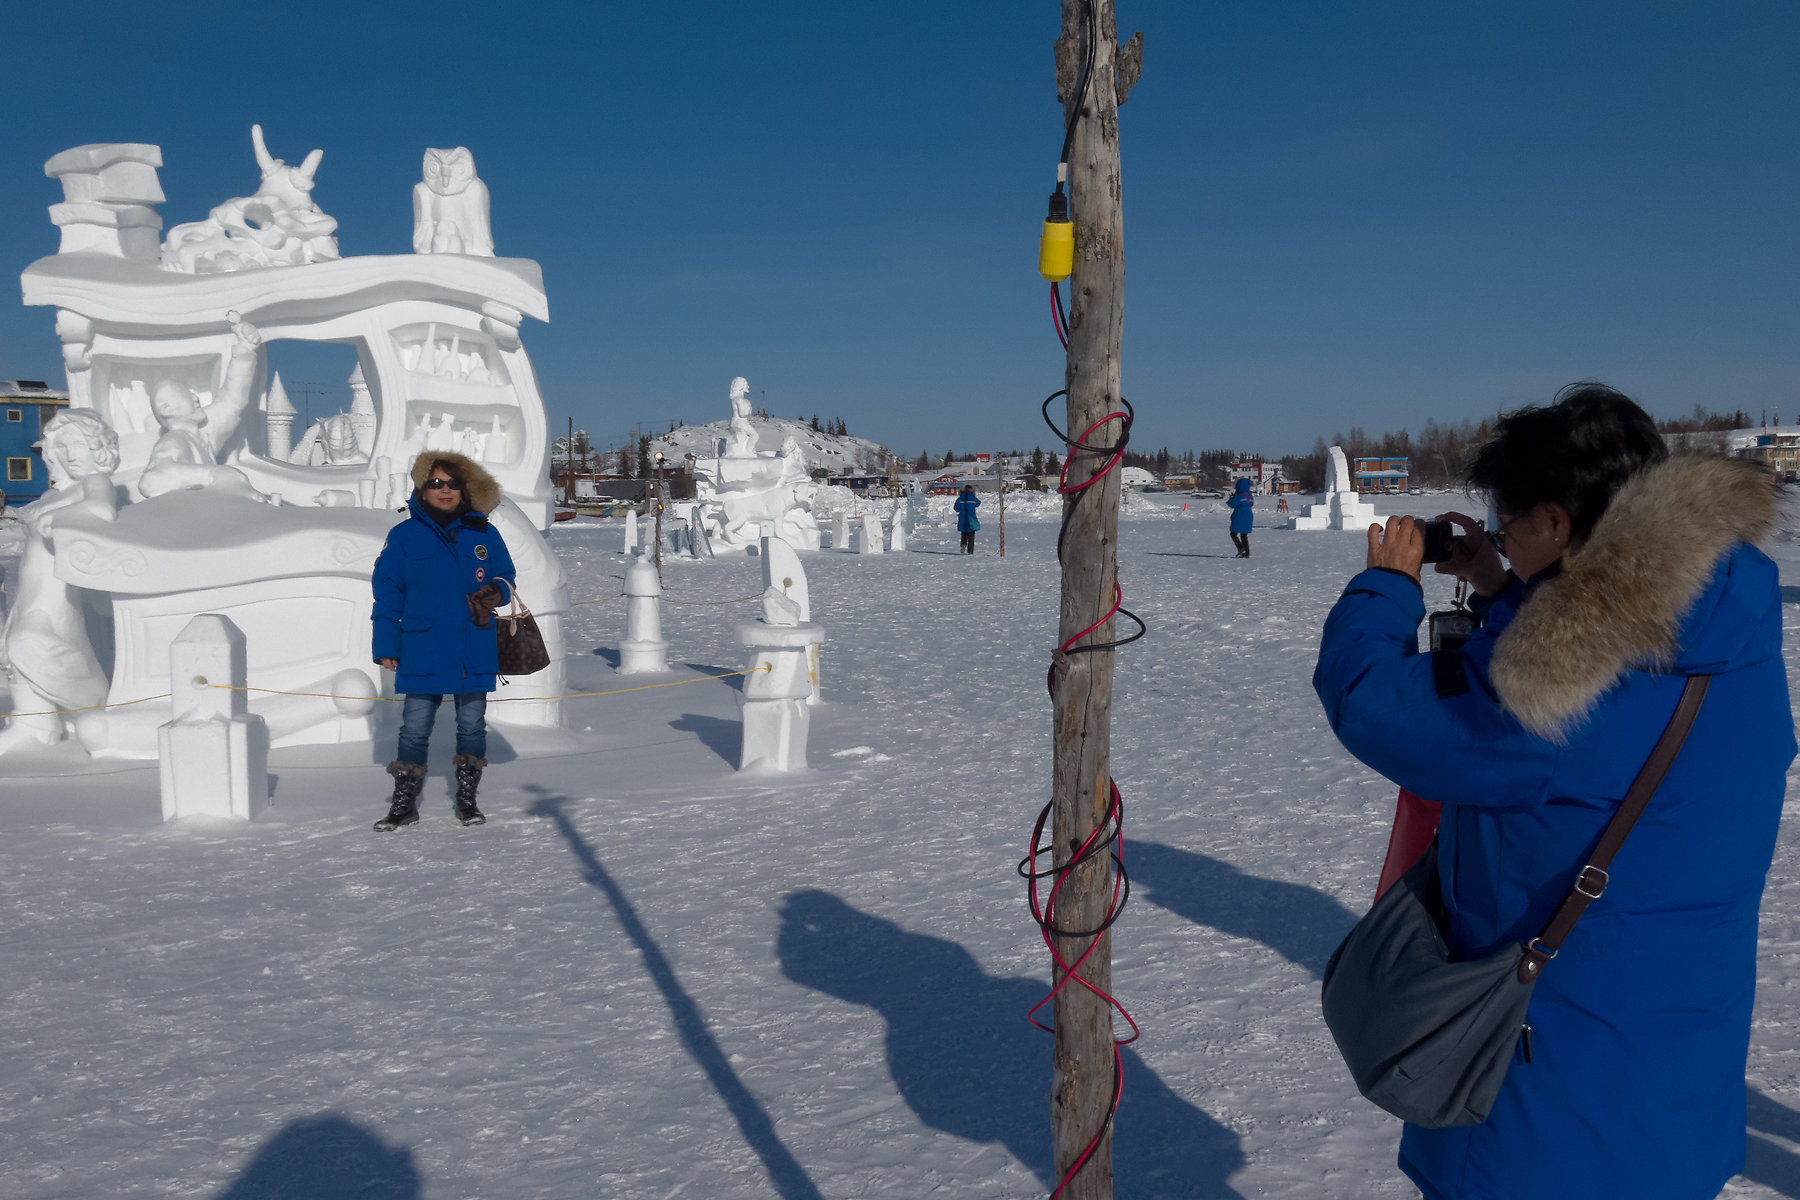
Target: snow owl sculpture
[[450, 206]]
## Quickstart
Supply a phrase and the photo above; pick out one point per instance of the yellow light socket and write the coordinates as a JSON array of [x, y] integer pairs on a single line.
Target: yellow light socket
[[1056, 250]]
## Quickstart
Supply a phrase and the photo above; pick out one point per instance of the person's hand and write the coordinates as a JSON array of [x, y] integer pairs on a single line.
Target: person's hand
[[1473, 558], [1400, 547], [249, 337], [392, 664]]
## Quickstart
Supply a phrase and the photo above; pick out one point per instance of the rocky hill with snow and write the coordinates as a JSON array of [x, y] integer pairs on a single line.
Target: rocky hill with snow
[[835, 453]]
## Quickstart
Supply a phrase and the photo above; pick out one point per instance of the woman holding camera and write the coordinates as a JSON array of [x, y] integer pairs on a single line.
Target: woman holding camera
[[1626, 571]]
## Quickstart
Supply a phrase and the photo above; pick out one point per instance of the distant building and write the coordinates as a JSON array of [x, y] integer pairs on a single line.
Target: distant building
[[1381, 474], [1778, 450], [858, 483], [26, 406], [1135, 478], [1265, 477], [944, 485]]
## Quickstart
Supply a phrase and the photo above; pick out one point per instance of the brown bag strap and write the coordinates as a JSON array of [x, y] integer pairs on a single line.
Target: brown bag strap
[[1591, 882]]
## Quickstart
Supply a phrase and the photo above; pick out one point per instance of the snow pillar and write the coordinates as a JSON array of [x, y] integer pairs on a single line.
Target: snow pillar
[[214, 754], [783, 572], [898, 541], [643, 652], [631, 531], [871, 534], [777, 717], [840, 532]]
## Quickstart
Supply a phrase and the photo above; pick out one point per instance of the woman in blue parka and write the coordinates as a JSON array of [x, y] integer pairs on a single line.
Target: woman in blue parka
[[1630, 571], [437, 584], [966, 521], [1243, 517]]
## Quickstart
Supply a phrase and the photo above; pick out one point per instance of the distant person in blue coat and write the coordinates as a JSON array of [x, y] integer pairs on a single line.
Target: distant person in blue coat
[[966, 521], [1630, 570], [437, 584], [1243, 517]]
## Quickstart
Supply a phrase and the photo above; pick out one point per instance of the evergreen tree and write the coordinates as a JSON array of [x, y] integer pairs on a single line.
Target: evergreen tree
[[815, 424], [643, 457], [1051, 465], [1037, 460]]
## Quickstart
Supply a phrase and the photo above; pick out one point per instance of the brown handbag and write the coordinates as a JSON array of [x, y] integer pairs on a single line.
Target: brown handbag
[[519, 641]]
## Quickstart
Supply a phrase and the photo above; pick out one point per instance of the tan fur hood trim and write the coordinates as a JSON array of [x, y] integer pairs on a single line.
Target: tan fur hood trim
[[484, 489], [1619, 603]]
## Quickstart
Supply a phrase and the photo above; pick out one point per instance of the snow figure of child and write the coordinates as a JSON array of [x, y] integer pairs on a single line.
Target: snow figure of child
[[742, 442], [53, 666], [186, 456]]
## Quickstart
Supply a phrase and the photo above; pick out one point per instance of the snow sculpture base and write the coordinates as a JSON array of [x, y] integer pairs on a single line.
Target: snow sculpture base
[[1338, 506], [840, 532], [643, 652], [777, 717], [214, 753]]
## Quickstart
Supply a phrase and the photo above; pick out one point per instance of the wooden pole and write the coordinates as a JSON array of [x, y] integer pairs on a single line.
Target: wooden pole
[[1000, 475], [1081, 684]]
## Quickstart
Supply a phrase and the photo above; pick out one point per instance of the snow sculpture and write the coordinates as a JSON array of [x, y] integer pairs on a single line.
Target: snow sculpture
[[1340, 507], [52, 661], [776, 715], [840, 532], [279, 226], [898, 523], [331, 441], [743, 488], [185, 456], [782, 570], [434, 334], [108, 191], [643, 652], [871, 534], [450, 206], [278, 420], [631, 531], [214, 754]]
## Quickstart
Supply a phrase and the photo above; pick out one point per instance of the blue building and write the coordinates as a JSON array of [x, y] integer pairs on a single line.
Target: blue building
[[26, 405]]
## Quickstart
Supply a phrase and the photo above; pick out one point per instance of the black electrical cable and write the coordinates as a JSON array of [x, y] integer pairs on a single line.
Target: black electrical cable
[[1081, 89], [1072, 499]]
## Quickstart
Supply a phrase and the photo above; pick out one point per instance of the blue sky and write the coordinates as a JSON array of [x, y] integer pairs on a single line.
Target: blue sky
[[1336, 214]]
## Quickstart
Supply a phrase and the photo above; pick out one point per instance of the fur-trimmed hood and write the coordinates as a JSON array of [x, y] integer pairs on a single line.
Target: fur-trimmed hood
[[484, 490], [1619, 603]]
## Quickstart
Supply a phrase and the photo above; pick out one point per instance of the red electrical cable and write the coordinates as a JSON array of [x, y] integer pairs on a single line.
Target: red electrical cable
[[1118, 599], [1109, 833], [1062, 479]]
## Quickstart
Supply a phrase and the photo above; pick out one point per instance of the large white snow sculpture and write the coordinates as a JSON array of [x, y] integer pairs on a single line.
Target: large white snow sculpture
[[450, 206], [279, 226], [742, 488], [214, 752], [108, 193], [51, 658], [1340, 507], [434, 334], [777, 685]]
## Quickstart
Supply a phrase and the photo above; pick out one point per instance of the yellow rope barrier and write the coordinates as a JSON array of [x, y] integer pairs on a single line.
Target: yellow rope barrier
[[57, 712], [499, 700]]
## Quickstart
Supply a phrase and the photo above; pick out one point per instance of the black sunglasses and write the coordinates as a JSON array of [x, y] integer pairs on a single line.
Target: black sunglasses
[[433, 485]]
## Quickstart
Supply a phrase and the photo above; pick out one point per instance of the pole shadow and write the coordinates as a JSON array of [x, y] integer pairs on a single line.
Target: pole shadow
[[966, 1061], [785, 1172], [326, 1157], [1766, 1161], [1302, 925]]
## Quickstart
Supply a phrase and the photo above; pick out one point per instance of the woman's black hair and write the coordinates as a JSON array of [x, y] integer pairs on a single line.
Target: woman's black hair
[[455, 472], [1577, 452]]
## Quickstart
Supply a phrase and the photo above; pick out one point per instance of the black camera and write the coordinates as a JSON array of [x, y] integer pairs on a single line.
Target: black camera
[[1440, 539]]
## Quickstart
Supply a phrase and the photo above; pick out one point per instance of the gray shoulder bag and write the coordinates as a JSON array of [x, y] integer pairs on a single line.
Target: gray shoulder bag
[[1428, 1038]]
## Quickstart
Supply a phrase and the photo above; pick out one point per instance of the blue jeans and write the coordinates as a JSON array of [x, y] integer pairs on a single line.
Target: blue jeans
[[420, 711]]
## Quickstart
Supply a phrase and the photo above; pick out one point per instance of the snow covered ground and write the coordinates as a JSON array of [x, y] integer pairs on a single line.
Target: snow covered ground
[[651, 977]]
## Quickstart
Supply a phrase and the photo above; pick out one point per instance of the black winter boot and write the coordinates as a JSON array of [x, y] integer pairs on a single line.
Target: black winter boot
[[468, 778], [403, 809]]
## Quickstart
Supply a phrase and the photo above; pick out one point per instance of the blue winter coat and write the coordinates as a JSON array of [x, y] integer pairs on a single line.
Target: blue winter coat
[[422, 582], [1641, 1025], [1243, 510], [965, 506]]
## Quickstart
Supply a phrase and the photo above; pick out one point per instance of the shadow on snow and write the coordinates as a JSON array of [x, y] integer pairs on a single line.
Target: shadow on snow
[[964, 1058], [326, 1158]]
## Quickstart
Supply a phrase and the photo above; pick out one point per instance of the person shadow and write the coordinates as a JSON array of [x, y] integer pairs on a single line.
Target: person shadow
[[966, 1061], [1302, 925], [1765, 1161], [326, 1157]]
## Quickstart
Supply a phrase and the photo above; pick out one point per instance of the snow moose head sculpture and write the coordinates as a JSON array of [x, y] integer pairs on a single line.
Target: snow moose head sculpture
[[279, 226], [743, 489]]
